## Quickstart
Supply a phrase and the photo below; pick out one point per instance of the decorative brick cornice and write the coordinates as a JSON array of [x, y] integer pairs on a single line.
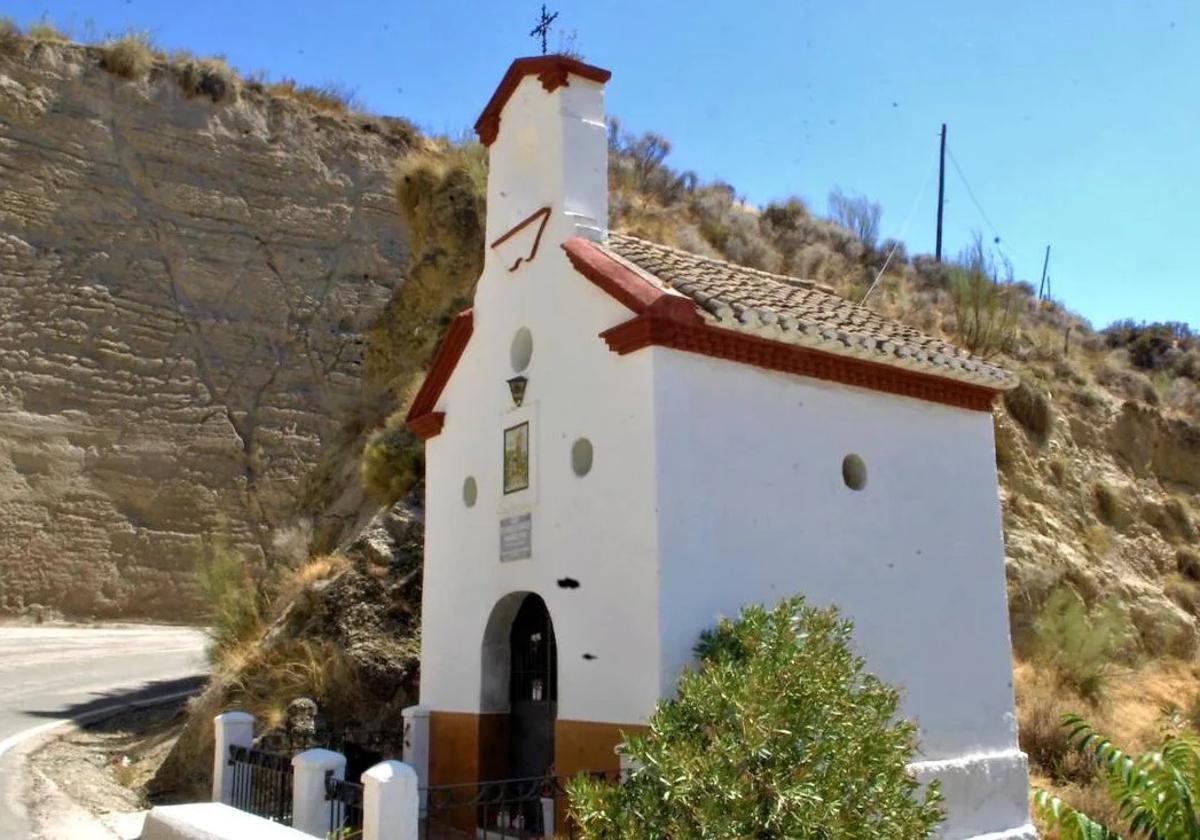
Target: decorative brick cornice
[[553, 71], [422, 420], [650, 329], [668, 320]]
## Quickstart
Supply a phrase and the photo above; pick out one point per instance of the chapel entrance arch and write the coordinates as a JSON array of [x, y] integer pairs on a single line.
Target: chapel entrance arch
[[519, 689]]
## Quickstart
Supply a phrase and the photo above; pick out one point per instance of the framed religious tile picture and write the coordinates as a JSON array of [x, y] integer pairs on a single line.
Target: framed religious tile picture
[[516, 458]]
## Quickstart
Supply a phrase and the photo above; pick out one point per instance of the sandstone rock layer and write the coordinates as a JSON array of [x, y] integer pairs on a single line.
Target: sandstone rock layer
[[183, 291]]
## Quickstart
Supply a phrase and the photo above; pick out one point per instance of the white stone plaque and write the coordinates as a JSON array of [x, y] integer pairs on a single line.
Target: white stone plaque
[[516, 537]]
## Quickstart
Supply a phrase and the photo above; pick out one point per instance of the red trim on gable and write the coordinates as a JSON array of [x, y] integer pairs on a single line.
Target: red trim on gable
[[625, 285], [427, 425], [553, 72], [422, 420]]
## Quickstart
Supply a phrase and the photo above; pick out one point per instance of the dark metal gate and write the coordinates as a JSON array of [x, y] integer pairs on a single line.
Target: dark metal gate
[[533, 703], [262, 783]]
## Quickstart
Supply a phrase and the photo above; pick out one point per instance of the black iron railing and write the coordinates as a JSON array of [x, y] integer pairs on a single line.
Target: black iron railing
[[513, 809], [345, 808], [262, 783]]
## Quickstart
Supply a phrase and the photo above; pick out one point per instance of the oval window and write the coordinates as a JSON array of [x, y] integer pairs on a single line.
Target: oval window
[[854, 472], [581, 457], [470, 491], [521, 350]]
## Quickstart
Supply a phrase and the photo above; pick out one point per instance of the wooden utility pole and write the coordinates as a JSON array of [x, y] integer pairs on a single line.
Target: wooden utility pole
[[1044, 289], [941, 194]]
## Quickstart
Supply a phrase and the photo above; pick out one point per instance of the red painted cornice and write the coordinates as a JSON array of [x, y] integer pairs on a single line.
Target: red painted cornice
[[552, 71], [422, 420]]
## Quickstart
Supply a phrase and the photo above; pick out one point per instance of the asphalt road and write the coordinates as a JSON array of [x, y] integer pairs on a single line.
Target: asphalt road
[[49, 675]]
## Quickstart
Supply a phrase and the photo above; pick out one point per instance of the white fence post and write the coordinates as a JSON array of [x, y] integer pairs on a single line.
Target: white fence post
[[391, 808], [310, 807], [416, 746], [229, 729]]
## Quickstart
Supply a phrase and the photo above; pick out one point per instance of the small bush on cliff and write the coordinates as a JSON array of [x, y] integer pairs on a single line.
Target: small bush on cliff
[[10, 36], [209, 77], [392, 462], [985, 309], [129, 56], [1079, 645], [778, 732], [47, 32]]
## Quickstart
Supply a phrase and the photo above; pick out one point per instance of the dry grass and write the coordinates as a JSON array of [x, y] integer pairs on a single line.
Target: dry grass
[[318, 568], [1131, 715], [131, 56], [46, 32], [10, 37], [330, 98]]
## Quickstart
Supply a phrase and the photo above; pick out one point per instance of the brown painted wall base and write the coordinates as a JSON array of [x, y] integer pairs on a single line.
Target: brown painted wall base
[[465, 748]]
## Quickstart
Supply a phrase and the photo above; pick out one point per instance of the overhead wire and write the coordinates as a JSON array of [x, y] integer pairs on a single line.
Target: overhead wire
[[903, 229], [978, 206]]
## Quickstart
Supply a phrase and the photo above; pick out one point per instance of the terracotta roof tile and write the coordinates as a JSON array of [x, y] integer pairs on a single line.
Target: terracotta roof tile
[[800, 312]]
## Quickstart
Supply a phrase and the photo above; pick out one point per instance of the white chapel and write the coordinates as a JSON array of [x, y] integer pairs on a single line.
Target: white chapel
[[625, 441]]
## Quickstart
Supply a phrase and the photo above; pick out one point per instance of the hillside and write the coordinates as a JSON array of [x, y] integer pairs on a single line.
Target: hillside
[[188, 266], [218, 294]]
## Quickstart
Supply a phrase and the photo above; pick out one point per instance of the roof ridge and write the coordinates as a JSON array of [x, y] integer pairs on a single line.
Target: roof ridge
[[788, 279]]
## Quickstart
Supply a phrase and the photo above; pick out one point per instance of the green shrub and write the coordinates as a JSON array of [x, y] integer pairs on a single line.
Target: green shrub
[[235, 602], [1156, 793], [985, 309], [129, 56], [778, 732], [1080, 645], [10, 36], [1110, 508], [392, 462], [1031, 408]]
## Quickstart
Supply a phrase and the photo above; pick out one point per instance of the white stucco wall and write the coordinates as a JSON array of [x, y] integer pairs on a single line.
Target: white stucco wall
[[599, 529], [754, 508]]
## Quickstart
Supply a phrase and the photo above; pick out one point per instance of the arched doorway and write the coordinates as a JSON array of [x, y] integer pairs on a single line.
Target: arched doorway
[[533, 690], [519, 689]]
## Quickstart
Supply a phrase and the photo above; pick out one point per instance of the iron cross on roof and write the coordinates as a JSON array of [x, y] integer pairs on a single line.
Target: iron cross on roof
[[543, 27]]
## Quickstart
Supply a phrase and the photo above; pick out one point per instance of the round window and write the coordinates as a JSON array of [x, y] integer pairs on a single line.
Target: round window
[[521, 350], [581, 457], [470, 491], [854, 472]]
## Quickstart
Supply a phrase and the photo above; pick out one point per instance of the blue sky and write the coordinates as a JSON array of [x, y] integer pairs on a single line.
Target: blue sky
[[1076, 124]]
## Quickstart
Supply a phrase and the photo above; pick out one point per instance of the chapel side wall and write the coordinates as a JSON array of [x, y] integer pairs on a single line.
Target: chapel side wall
[[754, 509]]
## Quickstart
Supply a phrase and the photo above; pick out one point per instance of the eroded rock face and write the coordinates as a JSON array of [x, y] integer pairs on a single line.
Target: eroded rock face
[[183, 290]]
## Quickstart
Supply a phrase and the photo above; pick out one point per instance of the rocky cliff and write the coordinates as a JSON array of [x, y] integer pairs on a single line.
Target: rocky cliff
[[184, 287]]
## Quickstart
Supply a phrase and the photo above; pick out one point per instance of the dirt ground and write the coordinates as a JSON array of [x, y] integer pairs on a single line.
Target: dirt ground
[[101, 771]]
